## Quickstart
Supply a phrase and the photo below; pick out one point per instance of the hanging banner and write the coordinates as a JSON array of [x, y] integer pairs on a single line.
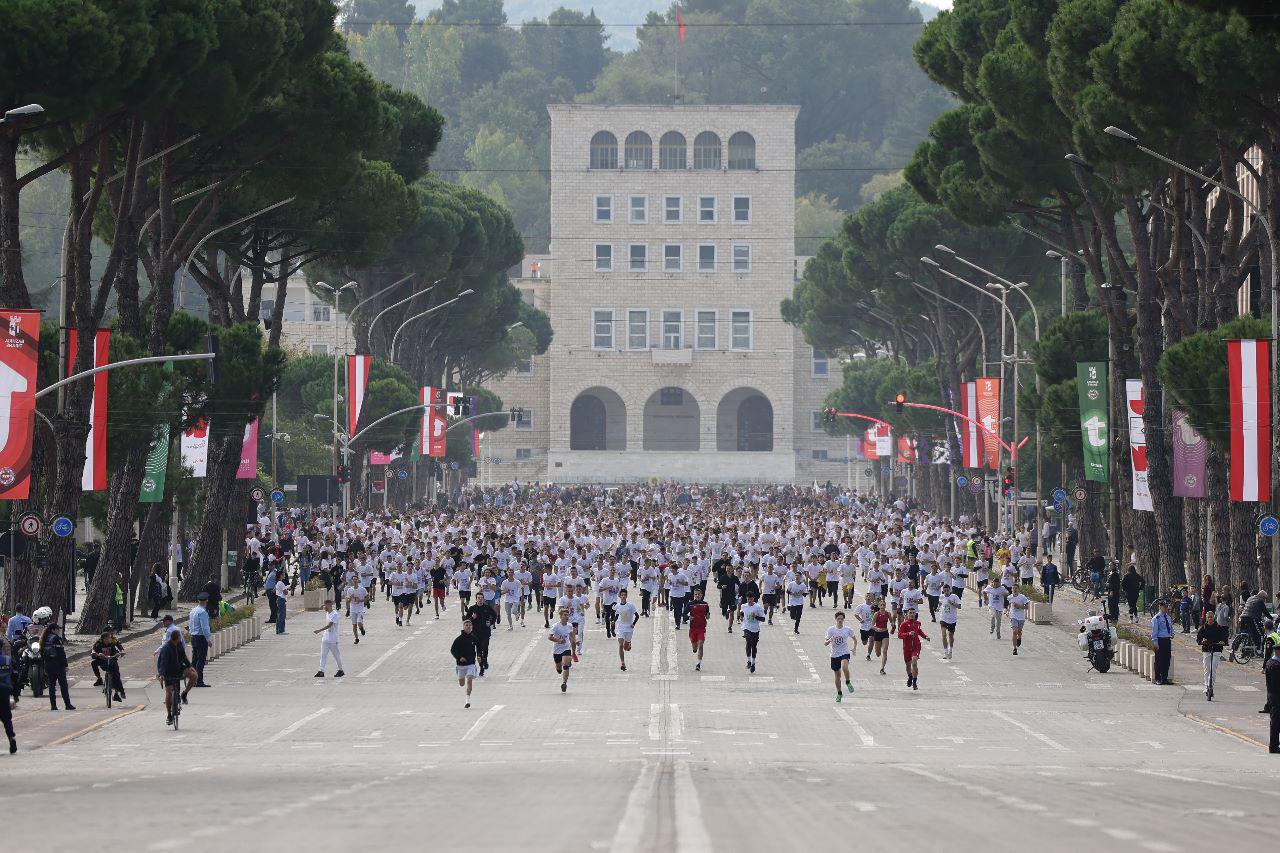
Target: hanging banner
[[1091, 387], [884, 441], [433, 422], [94, 476], [924, 450], [475, 443], [1136, 403], [970, 444], [941, 452], [869, 450], [376, 458], [1190, 458], [1249, 369], [249, 452], [906, 449], [19, 358], [378, 487], [156, 468], [988, 391], [195, 448], [357, 381]]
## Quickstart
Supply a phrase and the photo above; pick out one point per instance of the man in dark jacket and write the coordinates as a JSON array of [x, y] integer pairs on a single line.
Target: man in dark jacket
[[481, 617], [1272, 671], [7, 681], [172, 666], [465, 651], [1132, 587]]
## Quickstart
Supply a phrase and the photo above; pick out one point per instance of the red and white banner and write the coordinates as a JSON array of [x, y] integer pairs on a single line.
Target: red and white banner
[[869, 444], [906, 449], [1249, 368], [19, 359], [970, 444], [195, 448], [433, 422], [475, 443], [884, 441], [357, 381], [249, 452], [1136, 402], [988, 391], [94, 477]]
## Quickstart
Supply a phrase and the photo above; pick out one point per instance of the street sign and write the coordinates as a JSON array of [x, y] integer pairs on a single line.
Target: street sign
[[868, 472], [63, 527], [256, 494], [1059, 494], [885, 469], [975, 487], [497, 460], [402, 474], [1059, 504], [976, 479], [1268, 525], [30, 524], [277, 496], [453, 465], [962, 481], [1081, 495]]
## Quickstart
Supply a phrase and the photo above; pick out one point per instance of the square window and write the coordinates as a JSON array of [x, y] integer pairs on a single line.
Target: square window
[[706, 258], [707, 208], [639, 258], [602, 330], [525, 366], [526, 420], [706, 333], [672, 329], [639, 209], [524, 453], [319, 349], [815, 422], [671, 397], [672, 209], [819, 455], [604, 257], [267, 308], [637, 329], [741, 208], [672, 259], [741, 258], [740, 330], [604, 208], [820, 365]]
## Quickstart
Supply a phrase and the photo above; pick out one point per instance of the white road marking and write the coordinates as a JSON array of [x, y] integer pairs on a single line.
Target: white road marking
[[713, 678], [865, 807], [626, 839], [293, 727], [1244, 688], [1043, 738], [655, 720], [677, 722], [382, 658], [691, 832], [524, 656], [863, 734], [655, 653], [480, 723]]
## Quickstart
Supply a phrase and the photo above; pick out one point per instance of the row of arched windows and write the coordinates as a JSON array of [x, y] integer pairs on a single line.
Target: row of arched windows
[[637, 151]]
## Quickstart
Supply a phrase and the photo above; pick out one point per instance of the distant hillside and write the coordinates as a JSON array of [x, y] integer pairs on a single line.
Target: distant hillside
[[926, 11]]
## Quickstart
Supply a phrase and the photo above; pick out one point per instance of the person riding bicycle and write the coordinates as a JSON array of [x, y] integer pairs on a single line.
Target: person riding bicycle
[[106, 658], [1252, 616], [172, 666]]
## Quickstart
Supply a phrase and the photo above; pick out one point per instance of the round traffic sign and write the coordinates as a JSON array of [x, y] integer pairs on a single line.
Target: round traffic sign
[[885, 469], [1059, 494], [962, 481], [63, 526], [1268, 525], [256, 494], [1081, 494], [975, 487], [30, 524], [402, 474], [453, 465], [497, 460], [867, 472], [277, 497], [976, 479]]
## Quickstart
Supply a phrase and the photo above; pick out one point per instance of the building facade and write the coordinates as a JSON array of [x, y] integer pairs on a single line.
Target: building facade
[[672, 247]]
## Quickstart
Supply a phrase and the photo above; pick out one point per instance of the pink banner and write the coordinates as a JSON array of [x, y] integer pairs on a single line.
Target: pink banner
[[1190, 458], [249, 452], [376, 458]]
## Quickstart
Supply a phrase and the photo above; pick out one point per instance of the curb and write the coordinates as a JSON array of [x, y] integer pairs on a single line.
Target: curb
[[143, 632]]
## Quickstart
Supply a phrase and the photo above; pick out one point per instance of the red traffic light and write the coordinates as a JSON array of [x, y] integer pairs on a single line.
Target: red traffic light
[[900, 401]]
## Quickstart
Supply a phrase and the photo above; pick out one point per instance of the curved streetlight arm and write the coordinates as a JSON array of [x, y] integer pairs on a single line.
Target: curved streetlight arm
[[409, 298], [981, 290], [928, 291], [1013, 449], [442, 305], [1035, 315], [865, 418], [476, 418], [186, 267]]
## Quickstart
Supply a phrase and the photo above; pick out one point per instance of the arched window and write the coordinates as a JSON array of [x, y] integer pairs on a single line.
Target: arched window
[[638, 151], [742, 151], [706, 151], [604, 151], [672, 151]]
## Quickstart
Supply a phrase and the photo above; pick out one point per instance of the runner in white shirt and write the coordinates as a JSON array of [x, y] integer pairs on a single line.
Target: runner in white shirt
[[329, 642], [995, 594], [865, 614], [751, 615], [551, 582], [510, 589], [1018, 604], [562, 636], [842, 642], [947, 618], [357, 596], [796, 591], [626, 616]]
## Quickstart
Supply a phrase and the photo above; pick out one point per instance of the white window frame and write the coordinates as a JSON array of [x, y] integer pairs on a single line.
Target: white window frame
[[320, 314], [679, 200], [596, 322], [645, 312], [715, 328], [819, 454], [526, 421], [320, 349], [608, 266], [734, 210], [714, 259], [714, 205], [679, 259], [524, 367], [595, 214], [816, 422], [644, 262], [663, 328], [751, 331], [733, 257], [523, 453], [813, 361], [643, 209]]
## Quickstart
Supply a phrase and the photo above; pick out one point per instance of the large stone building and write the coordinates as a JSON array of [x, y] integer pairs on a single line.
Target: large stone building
[[672, 246]]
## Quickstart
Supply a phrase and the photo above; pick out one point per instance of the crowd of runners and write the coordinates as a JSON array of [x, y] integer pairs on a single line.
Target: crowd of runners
[[613, 558]]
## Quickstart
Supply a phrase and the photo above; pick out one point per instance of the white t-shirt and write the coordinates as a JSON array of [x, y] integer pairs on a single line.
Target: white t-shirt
[[561, 632], [950, 609], [865, 614], [796, 592], [626, 618], [331, 632], [752, 616], [839, 637], [356, 596], [1018, 605], [995, 596]]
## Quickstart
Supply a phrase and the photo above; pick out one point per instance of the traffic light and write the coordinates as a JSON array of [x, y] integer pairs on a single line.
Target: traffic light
[[828, 416], [517, 415], [342, 474], [900, 401], [1010, 478]]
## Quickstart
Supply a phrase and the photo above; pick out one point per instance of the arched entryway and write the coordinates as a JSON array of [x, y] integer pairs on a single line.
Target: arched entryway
[[598, 421], [671, 420], [744, 422]]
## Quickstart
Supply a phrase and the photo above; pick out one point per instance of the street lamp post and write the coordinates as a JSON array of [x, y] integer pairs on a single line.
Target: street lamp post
[[337, 294], [395, 338], [982, 335]]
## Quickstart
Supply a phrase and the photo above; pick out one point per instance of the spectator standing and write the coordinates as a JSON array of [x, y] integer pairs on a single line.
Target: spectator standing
[[282, 597], [1162, 636], [1049, 578], [201, 635], [1131, 585], [1272, 672], [54, 653], [7, 682]]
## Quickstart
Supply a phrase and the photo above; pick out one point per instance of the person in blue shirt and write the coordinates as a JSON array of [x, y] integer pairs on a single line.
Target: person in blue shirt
[[18, 623], [1162, 636], [201, 636], [1049, 579]]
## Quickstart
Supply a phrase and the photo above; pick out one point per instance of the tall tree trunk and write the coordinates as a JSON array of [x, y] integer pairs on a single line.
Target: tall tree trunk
[[117, 551], [206, 564], [151, 544], [13, 286], [1244, 545], [1192, 571], [1216, 476]]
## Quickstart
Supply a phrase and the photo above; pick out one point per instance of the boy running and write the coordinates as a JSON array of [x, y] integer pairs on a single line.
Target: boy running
[[910, 633], [699, 612], [626, 616], [465, 653], [751, 615], [563, 636], [842, 642]]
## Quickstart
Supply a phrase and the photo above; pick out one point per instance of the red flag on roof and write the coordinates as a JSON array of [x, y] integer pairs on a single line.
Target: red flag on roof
[[680, 24]]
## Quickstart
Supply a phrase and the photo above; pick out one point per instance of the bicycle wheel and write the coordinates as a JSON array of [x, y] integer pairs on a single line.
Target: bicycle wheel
[[1246, 652], [107, 684]]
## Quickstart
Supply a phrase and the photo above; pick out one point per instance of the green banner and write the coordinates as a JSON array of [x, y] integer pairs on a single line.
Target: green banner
[[1091, 377], [157, 464]]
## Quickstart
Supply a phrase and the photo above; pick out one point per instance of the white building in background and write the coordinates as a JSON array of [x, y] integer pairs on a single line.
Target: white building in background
[[672, 247], [310, 325]]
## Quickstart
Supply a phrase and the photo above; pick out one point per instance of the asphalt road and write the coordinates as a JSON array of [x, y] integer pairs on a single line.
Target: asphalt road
[[994, 752]]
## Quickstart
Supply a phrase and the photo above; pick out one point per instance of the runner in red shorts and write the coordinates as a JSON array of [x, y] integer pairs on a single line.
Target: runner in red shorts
[[699, 610], [910, 632]]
